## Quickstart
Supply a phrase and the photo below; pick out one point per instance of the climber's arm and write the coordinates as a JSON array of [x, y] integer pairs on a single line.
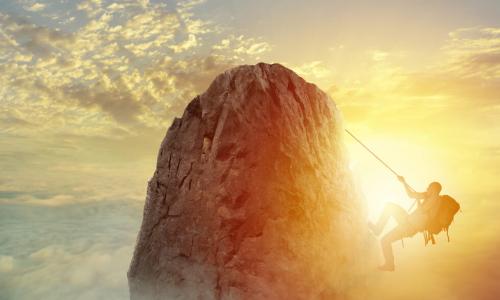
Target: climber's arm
[[411, 193]]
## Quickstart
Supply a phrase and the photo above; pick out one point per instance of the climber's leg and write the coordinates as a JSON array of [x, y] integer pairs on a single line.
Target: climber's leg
[[396, 234], [390, 209]]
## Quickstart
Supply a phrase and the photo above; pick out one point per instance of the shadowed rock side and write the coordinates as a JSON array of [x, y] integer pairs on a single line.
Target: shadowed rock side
[[251, 197]]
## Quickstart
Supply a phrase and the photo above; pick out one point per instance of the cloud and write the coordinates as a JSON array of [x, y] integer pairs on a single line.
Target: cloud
[[36, 7], [379, 55], [464, 80], [189, 43], [63, 170], [56, 200], [91, 7], [474, 53], [114, 98], [12, 120], [125, 66], [77, 252], [241, 47], [6, 264], [469, 74], [33, 39], [314, 70]]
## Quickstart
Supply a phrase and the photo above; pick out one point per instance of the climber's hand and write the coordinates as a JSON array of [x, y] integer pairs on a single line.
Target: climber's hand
[[401, 179]]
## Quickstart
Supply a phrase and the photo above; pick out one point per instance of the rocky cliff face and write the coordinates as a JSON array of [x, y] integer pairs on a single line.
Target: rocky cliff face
[[251, 197]]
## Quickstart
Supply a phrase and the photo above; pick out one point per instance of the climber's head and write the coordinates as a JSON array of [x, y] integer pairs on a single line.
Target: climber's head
[[434, 188]]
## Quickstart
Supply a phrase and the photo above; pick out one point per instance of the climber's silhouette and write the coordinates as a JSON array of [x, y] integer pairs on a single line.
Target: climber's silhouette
[[408, 224]]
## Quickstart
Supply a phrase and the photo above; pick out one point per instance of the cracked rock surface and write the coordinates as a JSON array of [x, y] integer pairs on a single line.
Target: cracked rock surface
[[252, 197]]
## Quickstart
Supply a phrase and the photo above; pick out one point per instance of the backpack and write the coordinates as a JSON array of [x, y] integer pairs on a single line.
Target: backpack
[[448, 207]]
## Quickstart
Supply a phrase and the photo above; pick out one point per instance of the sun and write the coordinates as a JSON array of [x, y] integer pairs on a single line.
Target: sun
[[378, 184]]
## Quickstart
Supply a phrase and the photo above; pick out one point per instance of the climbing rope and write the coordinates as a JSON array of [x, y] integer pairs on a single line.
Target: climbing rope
[[383, 162]]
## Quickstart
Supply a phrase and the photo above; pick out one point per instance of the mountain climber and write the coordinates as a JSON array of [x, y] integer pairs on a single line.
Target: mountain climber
[[408, 224]]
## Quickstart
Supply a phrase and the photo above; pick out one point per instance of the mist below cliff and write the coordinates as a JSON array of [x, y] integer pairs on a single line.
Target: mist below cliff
[[78, 251]]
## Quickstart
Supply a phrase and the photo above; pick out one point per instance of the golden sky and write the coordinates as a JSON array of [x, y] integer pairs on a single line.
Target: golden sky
[[88, 89]]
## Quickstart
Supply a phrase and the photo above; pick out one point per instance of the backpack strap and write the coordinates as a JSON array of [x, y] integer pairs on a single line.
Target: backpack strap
[[426, 237]]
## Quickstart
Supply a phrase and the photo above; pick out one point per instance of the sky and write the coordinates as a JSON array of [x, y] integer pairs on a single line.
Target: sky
[[88, 89]]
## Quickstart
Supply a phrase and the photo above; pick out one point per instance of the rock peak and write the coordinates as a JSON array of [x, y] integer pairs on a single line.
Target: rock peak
[[251, 197], [261, 73]]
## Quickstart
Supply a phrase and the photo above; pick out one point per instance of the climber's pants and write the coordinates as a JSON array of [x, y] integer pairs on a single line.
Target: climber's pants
[[402, 230], [396, 234], [392, 210]]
